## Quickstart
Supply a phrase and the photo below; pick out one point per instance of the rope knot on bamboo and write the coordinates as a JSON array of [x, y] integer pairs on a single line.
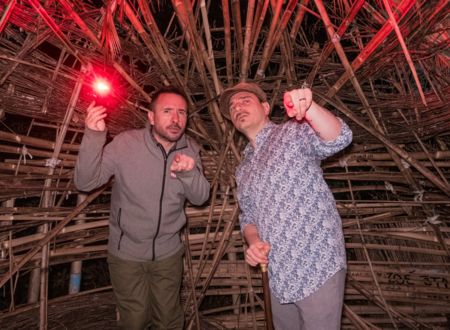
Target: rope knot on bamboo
[[343, 162], [418, 195], [336, 38], [433, 220], [405, 164], [52, 162], [24, 151]]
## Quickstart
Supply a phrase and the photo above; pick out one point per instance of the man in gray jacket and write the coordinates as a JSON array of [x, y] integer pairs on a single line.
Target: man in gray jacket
[[155, 170]]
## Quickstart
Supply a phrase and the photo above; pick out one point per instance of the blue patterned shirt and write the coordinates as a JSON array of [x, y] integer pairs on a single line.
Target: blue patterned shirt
[[282, 191]]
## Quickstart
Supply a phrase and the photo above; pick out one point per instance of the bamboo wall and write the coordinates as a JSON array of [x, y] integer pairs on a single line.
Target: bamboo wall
[[383, 66]]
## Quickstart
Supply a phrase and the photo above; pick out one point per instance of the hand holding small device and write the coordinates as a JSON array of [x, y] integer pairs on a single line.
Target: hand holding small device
[[102, 92], [95, 117]]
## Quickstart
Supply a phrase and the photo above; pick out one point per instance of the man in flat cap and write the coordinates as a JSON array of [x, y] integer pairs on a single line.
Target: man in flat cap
[[288, 214]]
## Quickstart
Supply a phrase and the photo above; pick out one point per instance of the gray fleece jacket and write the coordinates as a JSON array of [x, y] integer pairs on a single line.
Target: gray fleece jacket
[[147, 204]]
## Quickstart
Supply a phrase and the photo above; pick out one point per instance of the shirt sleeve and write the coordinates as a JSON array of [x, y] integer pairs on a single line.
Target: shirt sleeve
[[247, 214], [324, 149]]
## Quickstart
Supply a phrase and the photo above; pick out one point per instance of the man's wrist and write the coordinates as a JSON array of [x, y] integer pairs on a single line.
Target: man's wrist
[[311, 111]]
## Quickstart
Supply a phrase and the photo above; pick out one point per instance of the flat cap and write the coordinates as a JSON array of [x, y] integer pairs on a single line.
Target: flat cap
[[224, 101]]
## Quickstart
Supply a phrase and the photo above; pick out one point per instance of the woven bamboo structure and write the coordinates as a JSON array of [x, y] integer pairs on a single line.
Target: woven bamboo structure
[[382, 65]]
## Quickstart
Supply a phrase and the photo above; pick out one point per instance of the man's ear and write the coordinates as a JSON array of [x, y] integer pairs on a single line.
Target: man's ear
[[266, 107], [151, 117]]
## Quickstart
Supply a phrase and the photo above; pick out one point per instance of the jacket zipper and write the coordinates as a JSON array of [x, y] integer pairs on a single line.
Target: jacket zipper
[[165, 155], [121, 231]]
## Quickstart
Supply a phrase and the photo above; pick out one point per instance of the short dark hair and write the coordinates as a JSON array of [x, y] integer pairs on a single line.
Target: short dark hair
[[167, 90]]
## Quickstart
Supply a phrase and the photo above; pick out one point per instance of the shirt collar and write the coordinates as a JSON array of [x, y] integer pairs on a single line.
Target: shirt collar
[[260, 138]]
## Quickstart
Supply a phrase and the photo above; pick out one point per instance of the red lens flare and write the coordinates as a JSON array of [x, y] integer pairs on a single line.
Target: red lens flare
[[102, 87], [105, 87]]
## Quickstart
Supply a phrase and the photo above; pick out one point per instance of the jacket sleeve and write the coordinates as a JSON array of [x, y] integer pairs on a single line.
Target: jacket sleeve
[[196, 186], [93, 167]]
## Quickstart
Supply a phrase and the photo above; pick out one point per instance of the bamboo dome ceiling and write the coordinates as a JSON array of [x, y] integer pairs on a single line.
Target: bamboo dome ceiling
[[381, 65]]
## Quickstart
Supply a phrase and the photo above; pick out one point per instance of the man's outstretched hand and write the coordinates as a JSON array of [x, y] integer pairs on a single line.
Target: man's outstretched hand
[[297, 102], [181, 163]]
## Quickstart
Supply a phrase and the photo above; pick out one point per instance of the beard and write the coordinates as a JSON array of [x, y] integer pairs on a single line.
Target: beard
[[171, 133]]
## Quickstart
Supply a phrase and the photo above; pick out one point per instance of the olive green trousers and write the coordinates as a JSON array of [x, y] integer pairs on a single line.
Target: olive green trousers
[[148, 293]]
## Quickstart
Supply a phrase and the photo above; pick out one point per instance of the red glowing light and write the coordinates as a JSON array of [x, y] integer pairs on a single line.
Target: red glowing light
[[105, 88], [102, 86]]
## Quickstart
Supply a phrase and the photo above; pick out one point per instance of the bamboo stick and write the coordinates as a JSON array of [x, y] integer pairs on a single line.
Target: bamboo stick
[[49, 236], [52, 24], [357, 321], [398, 151], [213, 71], [244, 59], [35, 142], [298, 18], [7, 12], [260, 15], [365, 53], [227, 39], [289, 10], [236, 12], [268, 42], [326, 52], [405, 50]]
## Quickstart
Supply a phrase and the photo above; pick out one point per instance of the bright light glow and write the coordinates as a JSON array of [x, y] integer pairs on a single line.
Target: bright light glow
[[102, 86]]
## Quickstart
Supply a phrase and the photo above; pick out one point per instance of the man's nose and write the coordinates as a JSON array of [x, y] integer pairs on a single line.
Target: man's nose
[[175, 117], [238, 106]]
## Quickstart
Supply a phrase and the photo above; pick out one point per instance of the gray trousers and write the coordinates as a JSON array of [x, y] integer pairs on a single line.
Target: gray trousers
[[320, 311], [148, 293]]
